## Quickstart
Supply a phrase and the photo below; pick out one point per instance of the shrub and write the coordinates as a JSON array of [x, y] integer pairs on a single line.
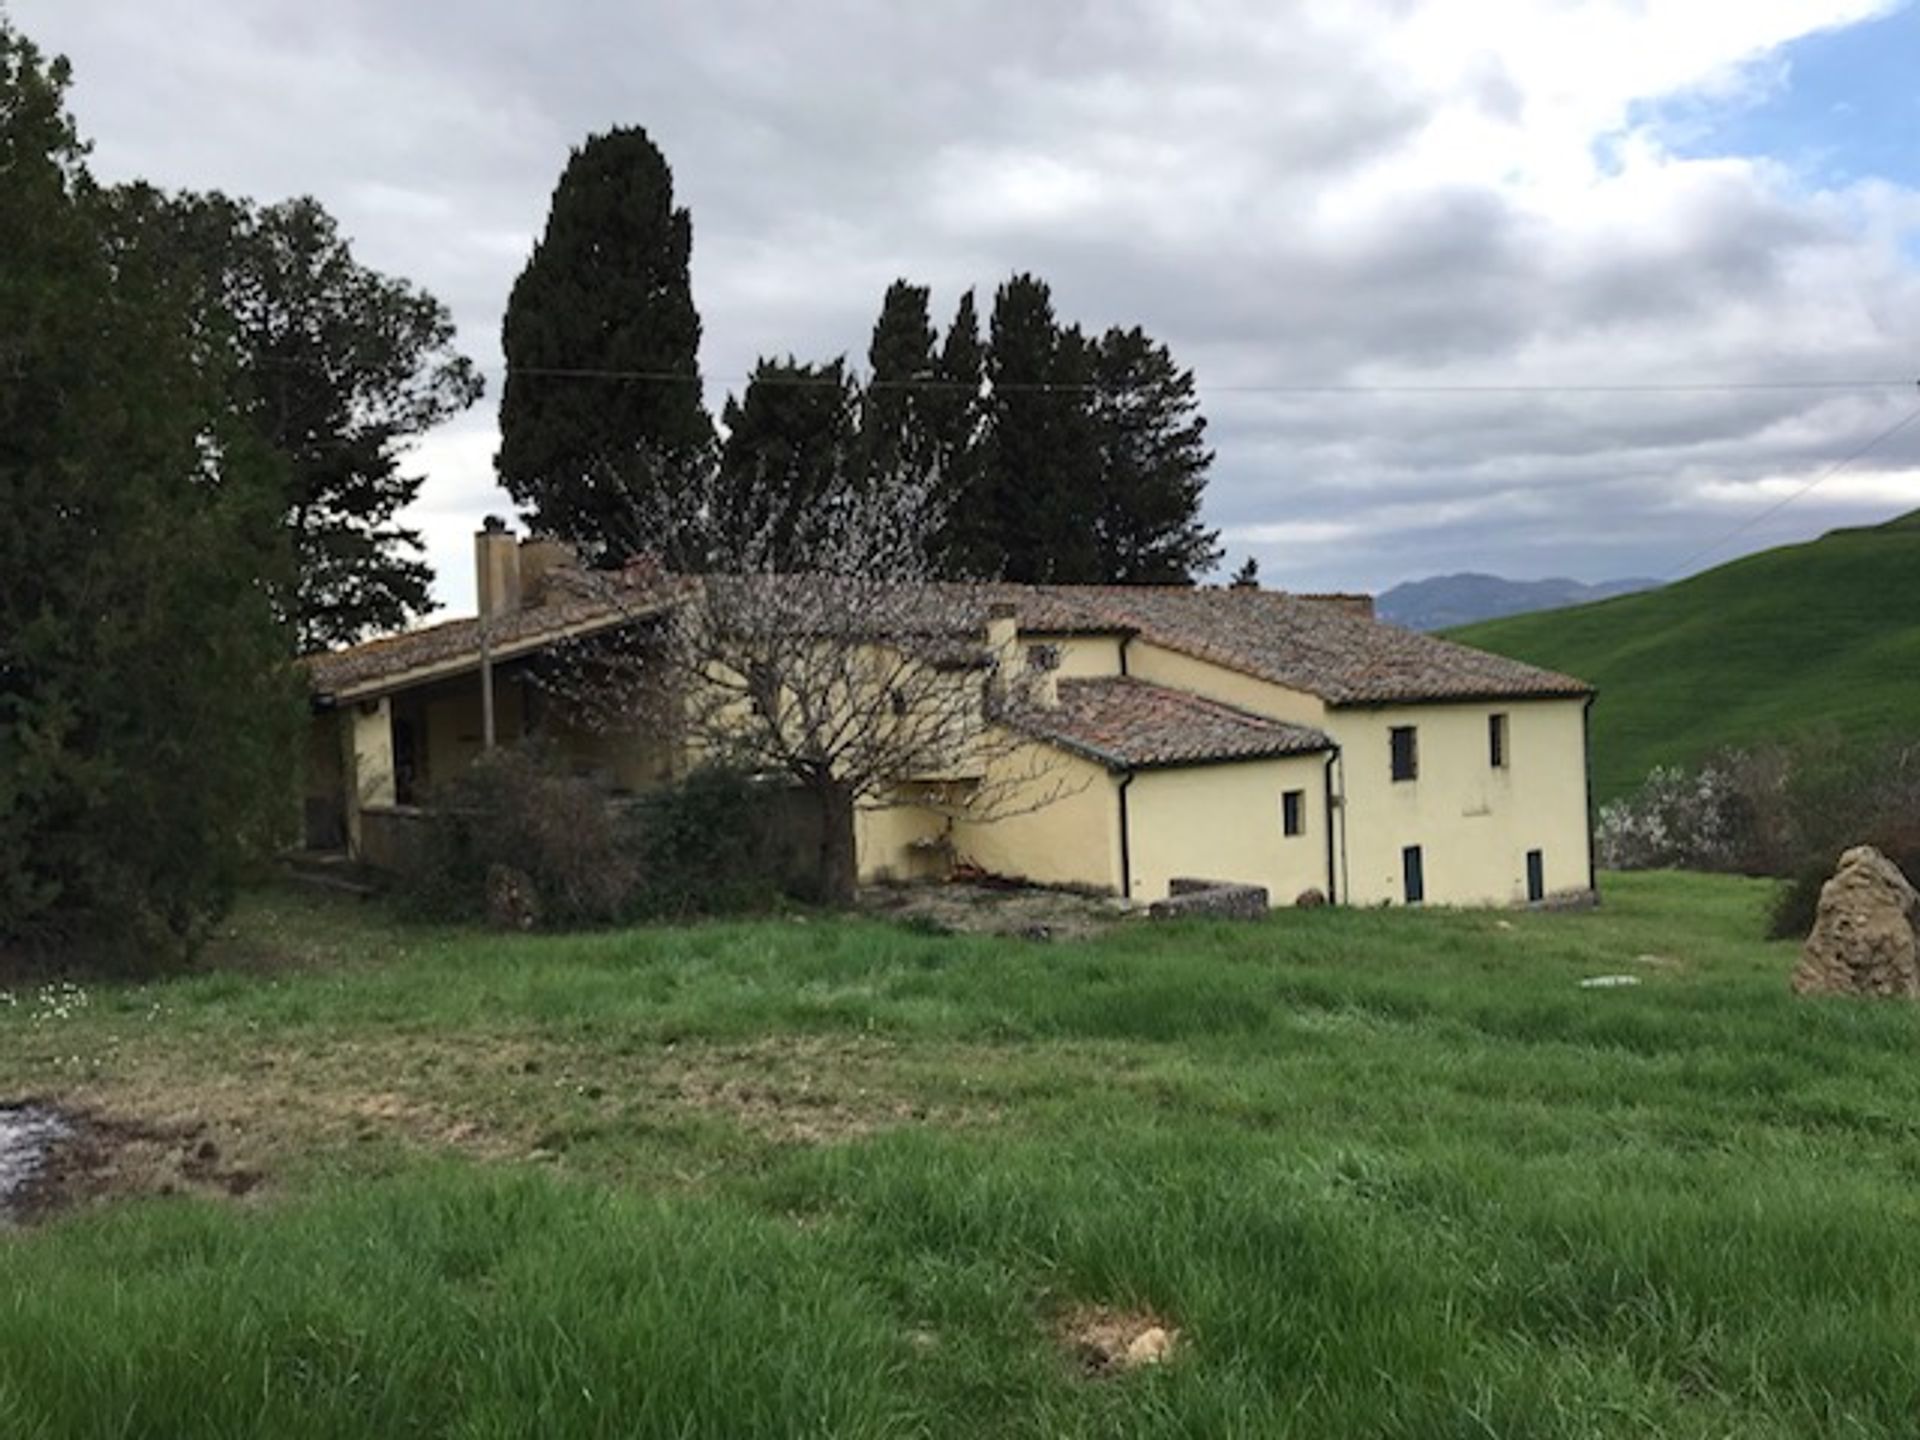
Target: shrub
[[515, 809], [1782, 810], [518, 834], [717, 842]]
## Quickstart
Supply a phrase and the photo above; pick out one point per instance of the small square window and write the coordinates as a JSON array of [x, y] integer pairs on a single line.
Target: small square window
[[1497, 741], [1405, 740], [1293, 812]]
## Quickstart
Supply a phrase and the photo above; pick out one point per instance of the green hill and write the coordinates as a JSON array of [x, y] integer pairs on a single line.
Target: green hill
[[1821, 636]]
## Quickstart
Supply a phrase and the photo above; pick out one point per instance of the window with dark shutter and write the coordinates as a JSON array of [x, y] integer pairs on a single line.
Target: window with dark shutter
[[1405, 741], [1497, 741], [1293, 812], [1413, 875]]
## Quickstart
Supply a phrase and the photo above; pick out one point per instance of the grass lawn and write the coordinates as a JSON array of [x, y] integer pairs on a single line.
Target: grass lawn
[[1387, 1173]]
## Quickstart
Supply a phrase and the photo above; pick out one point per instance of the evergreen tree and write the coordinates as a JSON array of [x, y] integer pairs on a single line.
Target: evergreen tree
[[1153, 464], [146, 704], [1247, 577], [1034, 508], [339, 368], [896, 412], [954, 421], [601, 417], [790, 448]]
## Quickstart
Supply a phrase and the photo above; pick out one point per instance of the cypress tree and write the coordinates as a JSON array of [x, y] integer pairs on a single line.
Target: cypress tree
[[1153, 461], [791, 444], [954, 420], [1036, 502], [606, 291], [896, 412]]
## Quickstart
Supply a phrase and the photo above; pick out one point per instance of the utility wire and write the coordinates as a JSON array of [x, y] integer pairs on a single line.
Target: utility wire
[[681, 377], [1807, 489]]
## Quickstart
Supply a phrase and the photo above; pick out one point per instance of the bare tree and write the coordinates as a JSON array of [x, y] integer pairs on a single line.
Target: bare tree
[[862, 680]]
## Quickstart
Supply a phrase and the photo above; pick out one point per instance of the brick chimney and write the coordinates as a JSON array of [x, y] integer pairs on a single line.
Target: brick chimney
[[496, 568]]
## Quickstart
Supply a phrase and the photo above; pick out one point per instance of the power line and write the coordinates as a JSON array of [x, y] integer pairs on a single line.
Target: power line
[[682, 377], [1818, 480]]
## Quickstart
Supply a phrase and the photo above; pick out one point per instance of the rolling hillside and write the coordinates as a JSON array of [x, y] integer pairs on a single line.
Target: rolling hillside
[[1442, 601], [1821, 636]]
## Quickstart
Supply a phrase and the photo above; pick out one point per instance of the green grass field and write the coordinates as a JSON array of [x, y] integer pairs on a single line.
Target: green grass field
[[1389, 1173], [1822, 636]]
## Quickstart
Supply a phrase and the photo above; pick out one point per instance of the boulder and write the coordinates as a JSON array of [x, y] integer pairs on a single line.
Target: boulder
[[1866, 934], [1312, 898]]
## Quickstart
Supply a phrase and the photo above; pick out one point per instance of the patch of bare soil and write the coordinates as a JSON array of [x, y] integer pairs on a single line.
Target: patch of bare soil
[[1104, 1342], [968, 908], [799, 1090], [108, 1155]]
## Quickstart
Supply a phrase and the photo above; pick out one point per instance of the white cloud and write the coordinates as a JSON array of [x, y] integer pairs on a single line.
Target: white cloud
[[1389, 192]]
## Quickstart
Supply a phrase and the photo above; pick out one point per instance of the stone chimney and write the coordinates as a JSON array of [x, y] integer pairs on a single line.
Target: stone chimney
[[1043, 676], [541, 559], [496, 569], [1003, 639]]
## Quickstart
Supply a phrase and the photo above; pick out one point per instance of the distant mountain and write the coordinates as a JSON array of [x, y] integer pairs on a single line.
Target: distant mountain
[[1822, 637], [1445, 600]]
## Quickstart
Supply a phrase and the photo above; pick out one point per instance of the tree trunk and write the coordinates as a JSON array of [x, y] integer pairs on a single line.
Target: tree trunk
[[839, 866]]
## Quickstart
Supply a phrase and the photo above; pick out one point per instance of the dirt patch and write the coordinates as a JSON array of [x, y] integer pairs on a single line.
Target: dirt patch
[[1019, 911], [1104, 1342], [106, 1155], [800, 1091]]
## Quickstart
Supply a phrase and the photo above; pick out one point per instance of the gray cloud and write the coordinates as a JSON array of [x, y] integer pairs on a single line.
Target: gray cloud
[[1285, 194]]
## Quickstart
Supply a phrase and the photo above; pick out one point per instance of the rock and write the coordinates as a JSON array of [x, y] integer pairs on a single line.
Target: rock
[[512, 902], [1150, 1347], [1212, 899], [1866, 934], [1312, 898]]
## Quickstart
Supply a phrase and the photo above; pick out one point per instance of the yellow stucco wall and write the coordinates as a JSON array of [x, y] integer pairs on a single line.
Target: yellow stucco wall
[[1473, 823], [1072, 840], [1160, 666], [1223, 822], [1082, 657], [889, 843]]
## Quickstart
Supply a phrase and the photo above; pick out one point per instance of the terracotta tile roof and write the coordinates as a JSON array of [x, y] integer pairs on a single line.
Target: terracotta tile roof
[[454, 645], [1128, 724], [1324, 646]]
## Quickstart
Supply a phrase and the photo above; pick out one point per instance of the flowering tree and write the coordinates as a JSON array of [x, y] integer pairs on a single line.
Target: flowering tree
[[860, 679]]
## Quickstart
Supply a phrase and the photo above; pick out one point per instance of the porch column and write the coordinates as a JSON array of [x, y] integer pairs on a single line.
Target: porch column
[[367, 760]]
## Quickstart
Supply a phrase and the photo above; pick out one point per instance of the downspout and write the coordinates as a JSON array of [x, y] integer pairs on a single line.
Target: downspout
[[1346, 870], [1126, 639], [1586, 747], [1126, 847], [1333, 890]]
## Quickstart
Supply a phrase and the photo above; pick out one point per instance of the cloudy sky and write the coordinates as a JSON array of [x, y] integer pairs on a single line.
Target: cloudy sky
[[1537, 288]]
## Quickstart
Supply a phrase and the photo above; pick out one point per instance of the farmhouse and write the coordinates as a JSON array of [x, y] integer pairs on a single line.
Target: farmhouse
[[1287, 741]]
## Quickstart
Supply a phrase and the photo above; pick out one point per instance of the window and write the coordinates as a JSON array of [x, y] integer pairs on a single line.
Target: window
[[1293, 813], [1043, 658], [1497, 741], [1406, 752], [1413, 875], [1536, 876]]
